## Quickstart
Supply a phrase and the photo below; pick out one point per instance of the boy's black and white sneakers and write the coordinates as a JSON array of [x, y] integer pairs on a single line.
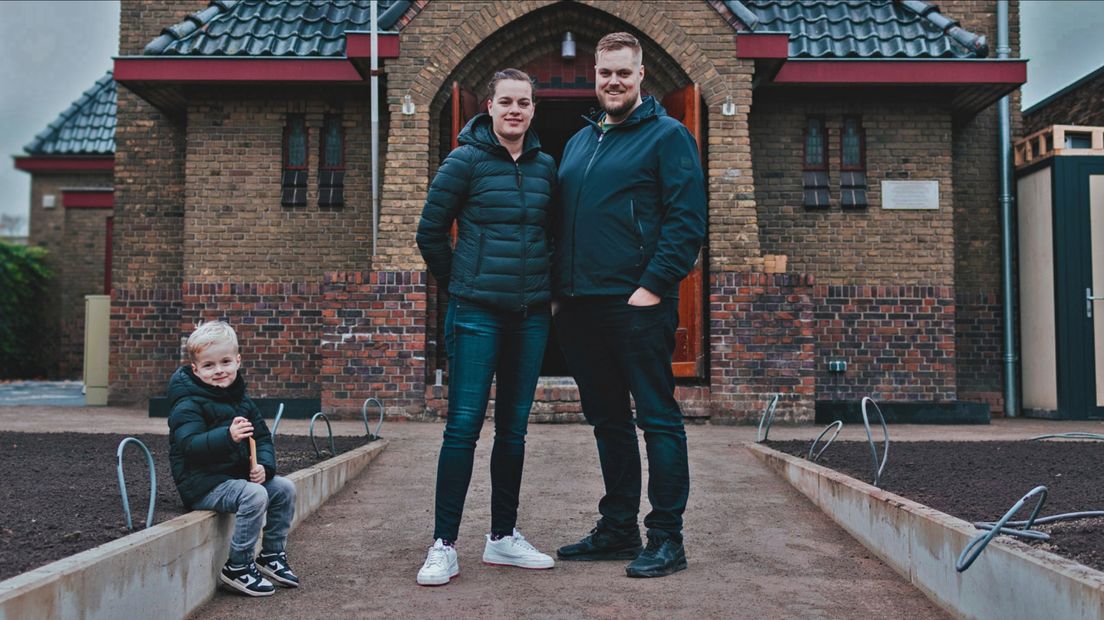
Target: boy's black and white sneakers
[[275, 567], [246, 579]]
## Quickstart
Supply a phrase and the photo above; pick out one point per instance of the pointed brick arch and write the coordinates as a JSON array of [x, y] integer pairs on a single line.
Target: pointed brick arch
[[449, 41]]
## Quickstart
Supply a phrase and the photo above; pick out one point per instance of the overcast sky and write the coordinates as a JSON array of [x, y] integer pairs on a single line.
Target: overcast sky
[[52, 51]]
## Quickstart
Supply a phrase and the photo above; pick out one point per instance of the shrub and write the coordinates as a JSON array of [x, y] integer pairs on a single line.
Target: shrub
[[24, 278]]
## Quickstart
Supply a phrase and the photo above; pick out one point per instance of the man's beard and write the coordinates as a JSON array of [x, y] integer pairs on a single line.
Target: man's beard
[[620, 110]]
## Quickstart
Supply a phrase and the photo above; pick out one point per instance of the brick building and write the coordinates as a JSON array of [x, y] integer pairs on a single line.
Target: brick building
[[71, 163], [243, 190], [1080, 103]]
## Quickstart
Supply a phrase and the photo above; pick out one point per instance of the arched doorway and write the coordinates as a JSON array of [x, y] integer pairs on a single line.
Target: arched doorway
[[565, 93]]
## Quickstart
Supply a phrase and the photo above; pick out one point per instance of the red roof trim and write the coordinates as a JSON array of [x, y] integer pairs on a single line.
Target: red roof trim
[[88, 198], [35, 163], [901, 72], [762, 45], [359, 45], [198, 70]]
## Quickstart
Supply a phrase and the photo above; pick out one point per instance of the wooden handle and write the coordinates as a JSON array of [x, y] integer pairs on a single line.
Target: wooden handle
[[252, 454]]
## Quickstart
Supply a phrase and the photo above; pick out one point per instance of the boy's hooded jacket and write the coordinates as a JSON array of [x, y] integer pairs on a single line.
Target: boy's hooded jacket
[[201, 452], [502, 212]]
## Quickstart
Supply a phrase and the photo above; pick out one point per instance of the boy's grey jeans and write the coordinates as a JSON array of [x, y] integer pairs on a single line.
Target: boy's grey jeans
[[251, 502]]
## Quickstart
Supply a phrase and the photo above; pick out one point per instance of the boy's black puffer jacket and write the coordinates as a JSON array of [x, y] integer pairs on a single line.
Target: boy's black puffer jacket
[[502, 212], [201, 453]]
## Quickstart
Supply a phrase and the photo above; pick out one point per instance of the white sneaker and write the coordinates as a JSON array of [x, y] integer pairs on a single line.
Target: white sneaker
[[515, 551], [440, 565]]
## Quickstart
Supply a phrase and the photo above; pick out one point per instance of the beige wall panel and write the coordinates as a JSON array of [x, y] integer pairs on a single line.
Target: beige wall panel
[[1040, 374]]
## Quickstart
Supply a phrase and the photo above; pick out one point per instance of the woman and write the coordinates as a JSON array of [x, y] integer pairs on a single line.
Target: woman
[[497, 185]]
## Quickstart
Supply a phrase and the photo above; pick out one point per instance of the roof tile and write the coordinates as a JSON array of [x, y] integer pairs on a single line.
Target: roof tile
[[87, 127], [865, 29], [273, 28]]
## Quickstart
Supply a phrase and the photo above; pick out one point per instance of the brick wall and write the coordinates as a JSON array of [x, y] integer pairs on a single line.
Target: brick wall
[[977, 221], [373, 341], [76, 258], [898, 342], [1080, 105], [236, 228], [762, 341], [871, 245], [82, 273], [278, 327]]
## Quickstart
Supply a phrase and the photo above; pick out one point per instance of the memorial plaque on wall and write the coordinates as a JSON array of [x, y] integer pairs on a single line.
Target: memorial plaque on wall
[[910, 195]]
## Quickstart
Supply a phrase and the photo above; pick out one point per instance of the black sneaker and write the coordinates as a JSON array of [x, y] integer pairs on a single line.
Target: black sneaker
[[275, 567], [246, 579], [602, 544], [660, 558]]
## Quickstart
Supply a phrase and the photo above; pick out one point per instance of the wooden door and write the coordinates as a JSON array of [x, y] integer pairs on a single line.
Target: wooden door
[[464, 107], [689, 359]]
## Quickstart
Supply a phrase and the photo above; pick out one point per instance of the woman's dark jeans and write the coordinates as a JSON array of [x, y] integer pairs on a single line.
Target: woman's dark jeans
[[483, 343]]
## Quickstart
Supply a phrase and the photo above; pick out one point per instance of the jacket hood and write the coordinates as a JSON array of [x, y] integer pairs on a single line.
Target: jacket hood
[[184, 384], [479, 132], [648, 109]]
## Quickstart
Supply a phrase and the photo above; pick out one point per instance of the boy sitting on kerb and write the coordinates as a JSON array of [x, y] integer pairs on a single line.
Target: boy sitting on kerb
[[210, 424]]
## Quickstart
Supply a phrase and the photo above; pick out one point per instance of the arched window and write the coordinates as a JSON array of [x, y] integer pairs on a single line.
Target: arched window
[[852, 163], [293, 182], [814, 175], [331, 164]]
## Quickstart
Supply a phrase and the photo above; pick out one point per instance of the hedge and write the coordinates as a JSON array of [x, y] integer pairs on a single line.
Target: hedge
[[24, 279]]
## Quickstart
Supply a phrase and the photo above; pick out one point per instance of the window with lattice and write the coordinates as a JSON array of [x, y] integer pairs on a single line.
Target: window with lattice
[[852, 163], [293, 181], [331, 163], [814, 174]]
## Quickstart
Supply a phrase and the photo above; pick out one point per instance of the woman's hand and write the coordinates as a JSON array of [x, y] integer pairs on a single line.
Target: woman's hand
[[257, 474]]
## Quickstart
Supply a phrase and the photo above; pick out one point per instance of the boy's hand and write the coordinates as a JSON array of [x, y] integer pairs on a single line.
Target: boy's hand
[[257, 474], [240, 428]]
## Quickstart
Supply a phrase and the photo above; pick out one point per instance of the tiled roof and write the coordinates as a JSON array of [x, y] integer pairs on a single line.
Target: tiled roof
[[273, 27], [86, 128], [861, 28]]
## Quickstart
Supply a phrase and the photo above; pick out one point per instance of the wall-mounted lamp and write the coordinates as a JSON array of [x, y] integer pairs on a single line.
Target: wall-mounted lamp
[[567, 49], [407, 105], [728, 108]]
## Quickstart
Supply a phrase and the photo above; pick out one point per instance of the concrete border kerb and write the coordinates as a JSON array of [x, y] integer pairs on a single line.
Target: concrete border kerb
[[166, 571], [1009, 580]]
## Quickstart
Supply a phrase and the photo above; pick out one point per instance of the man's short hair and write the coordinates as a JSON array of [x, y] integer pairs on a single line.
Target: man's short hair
[[511, 74], [208, 334], [617, 40]]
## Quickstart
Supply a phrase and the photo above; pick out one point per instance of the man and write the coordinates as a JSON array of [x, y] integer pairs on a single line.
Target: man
[[631, 223]]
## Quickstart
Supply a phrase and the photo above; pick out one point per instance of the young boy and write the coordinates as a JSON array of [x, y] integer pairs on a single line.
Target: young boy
[[210, 424]]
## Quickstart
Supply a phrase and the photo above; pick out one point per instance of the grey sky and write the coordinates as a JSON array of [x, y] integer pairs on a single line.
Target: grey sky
[[51, 51]]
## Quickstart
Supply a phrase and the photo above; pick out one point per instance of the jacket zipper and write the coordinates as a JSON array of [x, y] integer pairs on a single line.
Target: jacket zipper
[[524, 208], [575, 220], [639, 231]]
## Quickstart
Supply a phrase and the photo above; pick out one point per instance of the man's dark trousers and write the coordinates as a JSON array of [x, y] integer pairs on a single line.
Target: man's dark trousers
[[614, 349]]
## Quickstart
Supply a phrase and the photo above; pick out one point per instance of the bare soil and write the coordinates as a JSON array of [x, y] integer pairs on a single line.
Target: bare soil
[[59, 492], [981, 480]]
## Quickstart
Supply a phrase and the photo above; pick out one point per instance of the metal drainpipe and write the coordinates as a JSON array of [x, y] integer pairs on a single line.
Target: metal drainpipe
[[1011, 391], [374, 102]]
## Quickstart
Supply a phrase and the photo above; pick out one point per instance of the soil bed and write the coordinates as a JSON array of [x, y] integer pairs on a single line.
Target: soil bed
[[980, 481], [59, 492]]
